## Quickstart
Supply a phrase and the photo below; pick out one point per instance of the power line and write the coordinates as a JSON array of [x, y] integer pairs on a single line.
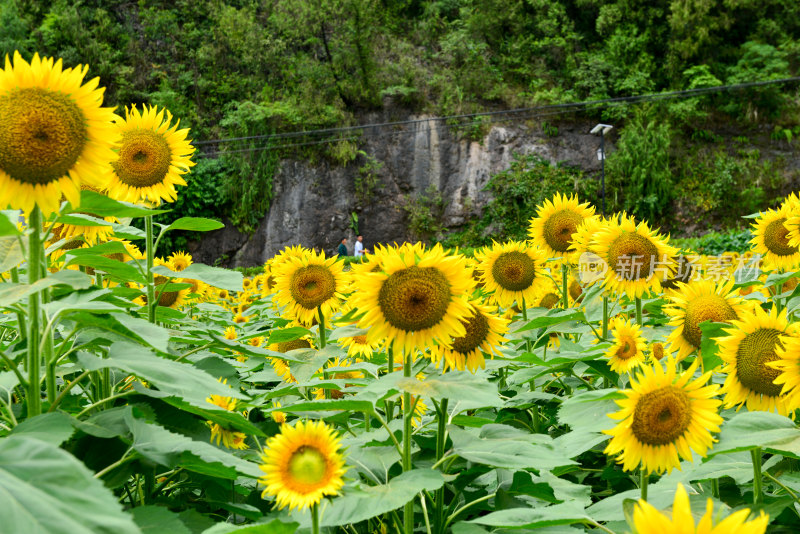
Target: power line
[[576, 106]]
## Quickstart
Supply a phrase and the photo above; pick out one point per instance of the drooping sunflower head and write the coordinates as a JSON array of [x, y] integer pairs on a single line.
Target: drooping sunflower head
[[751, 346], [310, 283], [694, 303], [359, 346], [415, 299], [627, 352], [638, 259], [228, 438], [547, 296], [771, 239], [153, 157], [648, 520], [302, 464], [556, 222], [664, 417], [484, 334], [513, 271], [54, 134], [178, 261]]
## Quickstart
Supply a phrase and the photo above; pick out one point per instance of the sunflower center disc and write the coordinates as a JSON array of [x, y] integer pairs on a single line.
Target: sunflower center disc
[[755, 351], [477, 328], [42, 135], [705, 308], [632, 256], [415, 298], [776, 238], [549, 301], [559, 227], [627, 349], [166, 298], [360, 340], [307, 466], [681, 274], [661, 416], [514, 270], [144, 158], [312, 285], [286, 346]]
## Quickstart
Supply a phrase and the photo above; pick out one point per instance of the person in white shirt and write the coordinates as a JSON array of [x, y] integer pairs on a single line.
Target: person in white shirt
[[358, 248]]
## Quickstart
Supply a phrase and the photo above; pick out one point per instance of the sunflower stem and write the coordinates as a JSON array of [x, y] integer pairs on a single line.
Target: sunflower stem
[[321, 328], [151, 288], [605, 318], [758, 495], [389, 370], [441, 438], [314, 519], [644, 480], [639, 311], [408, 413], [565, 285], [21, 322], [525, 318], [35, 250]]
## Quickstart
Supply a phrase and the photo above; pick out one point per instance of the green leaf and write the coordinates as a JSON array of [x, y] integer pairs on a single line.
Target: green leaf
[[53, 428], [103, 206], [113, 267], [508, 447], [12, 293], [465, 390], [275, 526], [10, 253], [158, 520], [557, 514], [46, 490], [325, 405], [370, 501], [749, 430], [194, 224], [287, 334], [553, 317], [708, 343], [8, 223], [346, 331], [161, 446], [214, 276], [589, 411]]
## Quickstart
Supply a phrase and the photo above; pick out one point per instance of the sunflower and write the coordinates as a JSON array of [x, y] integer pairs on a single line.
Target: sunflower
[[788, 363], [359, 346], [648, 520], [178, 261], [174, 298], [627, 352], [54, 134], [513, 271], [416, 298], [638, 259], [751, 345], [681, 273], [302, 464], [152, 157], [696, 302], [229, 438], [547, 296], [583, 238], [310, 283], [484, 333], [771, 239], [278, 416], [555, 223], [230, 333], [665, 416], [91, 234]]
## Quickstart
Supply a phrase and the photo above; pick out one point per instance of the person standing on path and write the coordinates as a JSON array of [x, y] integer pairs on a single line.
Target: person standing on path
[[342, 251], [358, 247]]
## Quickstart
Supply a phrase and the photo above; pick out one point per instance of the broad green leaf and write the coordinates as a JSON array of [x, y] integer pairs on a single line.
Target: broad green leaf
[[346, 331], [53, 428], [194, 224], [113, 267], [553, 317], [81, 219], [103, 206], [8, 223], [508, 447], [323, 405], [158, 520], [309, 362], [465, 390], [708, 343], [370, 501], [10, 253], [287, 334], [12, 293], [557, 514], [275, 526], [101, 249], [214, 276], [748, 430], [161, 446], [46, 490], [152, 334], [589, 411]]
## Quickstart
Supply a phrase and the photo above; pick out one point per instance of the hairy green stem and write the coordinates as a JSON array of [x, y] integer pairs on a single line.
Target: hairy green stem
[[315, 519], [758, 492], [605, 318], [35, 250], [639, 311], [565, 285], [151, 288], [644, 480], [441, 438], [408, 414]]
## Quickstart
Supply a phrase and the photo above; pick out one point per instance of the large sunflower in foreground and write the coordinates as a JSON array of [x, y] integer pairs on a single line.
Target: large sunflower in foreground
[[664, 417], [638, 258], [695, 303], [302, 464], [54, 134], [771, 239], [788, 364], [648, 520], [308, 284], [416, 298], [751, 345], [513, 271], [153, 156], [555, 223], [627, 352], [484, 333]]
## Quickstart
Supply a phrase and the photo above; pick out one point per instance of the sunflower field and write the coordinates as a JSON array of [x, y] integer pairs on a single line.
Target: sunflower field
[[592, 378]]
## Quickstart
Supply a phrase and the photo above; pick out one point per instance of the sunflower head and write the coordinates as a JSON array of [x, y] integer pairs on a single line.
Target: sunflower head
[[771, 239], [513, 271], [179, 261], [483, 333], [302, 464], [556, 222], [627, 352], [310, 283]]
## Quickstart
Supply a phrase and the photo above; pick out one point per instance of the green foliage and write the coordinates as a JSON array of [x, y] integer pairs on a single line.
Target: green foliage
[[639, 170], [424, 214], [715, 243], [516, 193]]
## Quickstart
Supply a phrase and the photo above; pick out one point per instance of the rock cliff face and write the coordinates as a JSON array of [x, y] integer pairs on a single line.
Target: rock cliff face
[[313, 203]]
